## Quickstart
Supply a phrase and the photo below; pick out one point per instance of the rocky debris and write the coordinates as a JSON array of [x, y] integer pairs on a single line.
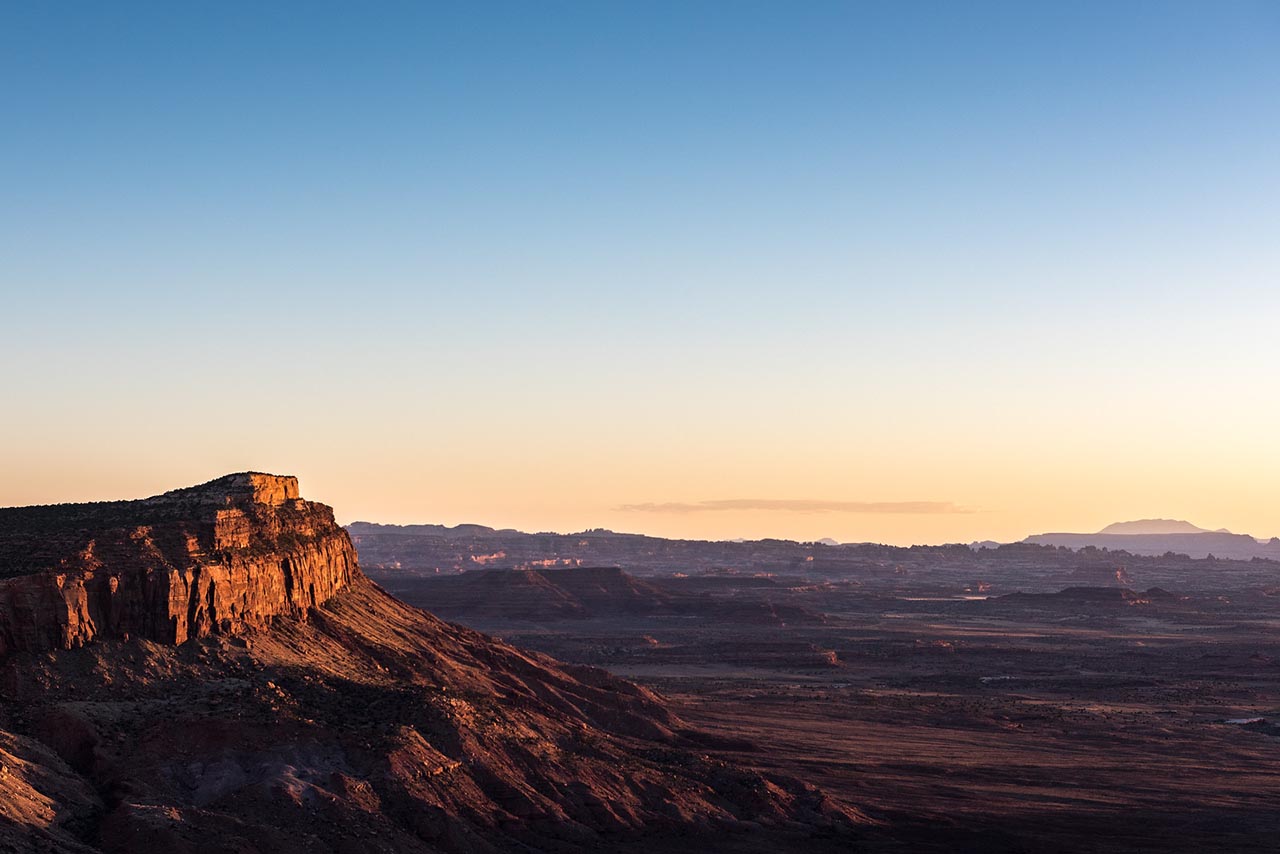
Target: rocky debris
[[1201, 545], [44, 805]]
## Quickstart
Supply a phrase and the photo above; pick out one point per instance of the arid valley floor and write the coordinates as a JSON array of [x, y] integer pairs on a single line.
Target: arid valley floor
[[1014, 699]]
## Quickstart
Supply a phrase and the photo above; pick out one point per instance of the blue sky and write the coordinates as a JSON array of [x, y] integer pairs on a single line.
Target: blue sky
[[514, 237]]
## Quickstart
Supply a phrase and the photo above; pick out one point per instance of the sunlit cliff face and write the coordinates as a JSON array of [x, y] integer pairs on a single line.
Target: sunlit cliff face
[[1002, 491]]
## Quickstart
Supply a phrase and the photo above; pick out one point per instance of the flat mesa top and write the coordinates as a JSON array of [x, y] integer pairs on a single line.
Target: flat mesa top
[[259, 488], [30, 536]]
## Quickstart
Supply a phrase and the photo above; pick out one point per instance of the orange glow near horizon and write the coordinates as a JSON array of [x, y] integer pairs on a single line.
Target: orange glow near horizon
[[694, 444], [902, 489]]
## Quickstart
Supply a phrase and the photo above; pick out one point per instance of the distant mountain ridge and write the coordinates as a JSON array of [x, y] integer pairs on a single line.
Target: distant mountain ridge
[[463, 530], [1161, 536]]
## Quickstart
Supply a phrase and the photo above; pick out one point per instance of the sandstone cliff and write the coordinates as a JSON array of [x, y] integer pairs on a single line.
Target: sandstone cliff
[[234, 552], [344, 721]]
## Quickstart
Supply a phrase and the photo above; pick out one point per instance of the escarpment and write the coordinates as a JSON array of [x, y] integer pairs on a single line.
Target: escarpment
[[349, 721], [235, 552]]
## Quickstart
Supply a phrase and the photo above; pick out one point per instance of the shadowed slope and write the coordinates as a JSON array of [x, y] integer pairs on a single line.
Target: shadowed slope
[[373, 720], [357, 723]]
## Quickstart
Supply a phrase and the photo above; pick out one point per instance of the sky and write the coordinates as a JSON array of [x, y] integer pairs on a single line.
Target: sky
[[898, 272]]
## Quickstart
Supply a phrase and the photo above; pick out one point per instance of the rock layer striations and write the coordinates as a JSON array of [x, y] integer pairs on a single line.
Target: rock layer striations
[[238, 551], [270, 697]]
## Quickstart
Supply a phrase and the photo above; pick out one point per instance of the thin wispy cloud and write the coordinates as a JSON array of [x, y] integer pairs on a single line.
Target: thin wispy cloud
[[797, 505]]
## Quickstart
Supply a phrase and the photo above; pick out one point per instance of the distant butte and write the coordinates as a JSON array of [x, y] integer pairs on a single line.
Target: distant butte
[[1153, 537]]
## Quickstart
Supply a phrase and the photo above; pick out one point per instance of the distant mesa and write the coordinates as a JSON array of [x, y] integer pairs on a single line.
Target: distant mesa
[[1154, 537], [1151, 527], [827, 541]]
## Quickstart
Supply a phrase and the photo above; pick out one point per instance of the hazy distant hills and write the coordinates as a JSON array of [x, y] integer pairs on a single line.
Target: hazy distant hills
[[439, 548], [1160, 536], [429, 530], [1154, 527]]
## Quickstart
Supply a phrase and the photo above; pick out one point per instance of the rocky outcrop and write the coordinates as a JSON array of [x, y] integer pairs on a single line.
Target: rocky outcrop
[[235, 552], [353, 722]]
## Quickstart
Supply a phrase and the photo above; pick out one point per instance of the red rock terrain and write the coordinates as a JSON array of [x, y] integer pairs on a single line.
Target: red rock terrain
[[232, 553], [209, 670]]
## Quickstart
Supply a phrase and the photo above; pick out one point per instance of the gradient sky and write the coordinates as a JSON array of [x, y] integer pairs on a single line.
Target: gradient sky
[[905, 272]]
